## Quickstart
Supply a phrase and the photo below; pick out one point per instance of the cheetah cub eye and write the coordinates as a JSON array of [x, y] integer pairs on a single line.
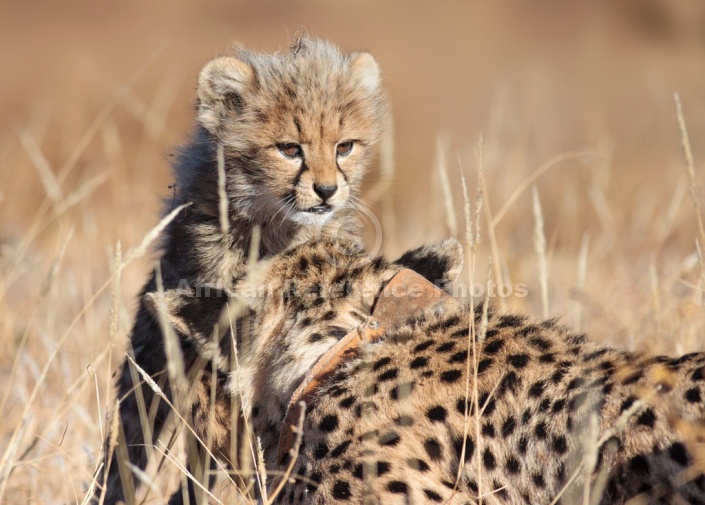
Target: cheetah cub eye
[[290, 150], [344, 148]]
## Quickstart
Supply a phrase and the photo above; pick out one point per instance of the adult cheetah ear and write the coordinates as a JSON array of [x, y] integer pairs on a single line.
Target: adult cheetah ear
[[365, 71], [439, 263], [221, 86], [191, 315]]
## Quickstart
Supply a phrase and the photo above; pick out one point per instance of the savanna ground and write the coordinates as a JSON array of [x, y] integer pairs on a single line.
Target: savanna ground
[[573, 99]]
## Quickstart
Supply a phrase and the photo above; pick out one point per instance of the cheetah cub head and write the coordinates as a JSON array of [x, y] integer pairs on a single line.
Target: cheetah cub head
[[305, 300], [298, 128]]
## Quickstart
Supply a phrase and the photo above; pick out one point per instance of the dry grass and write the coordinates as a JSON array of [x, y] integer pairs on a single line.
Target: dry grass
[[581, 111]]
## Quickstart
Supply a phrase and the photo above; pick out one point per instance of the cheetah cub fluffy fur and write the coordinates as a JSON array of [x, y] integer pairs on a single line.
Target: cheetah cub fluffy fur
[[555, 414], [297, 131]]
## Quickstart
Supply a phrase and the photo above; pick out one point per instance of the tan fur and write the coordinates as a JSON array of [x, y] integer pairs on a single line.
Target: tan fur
[[390, 426]]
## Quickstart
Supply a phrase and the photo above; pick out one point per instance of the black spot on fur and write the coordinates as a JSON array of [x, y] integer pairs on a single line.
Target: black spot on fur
[[512, 465], [446, 347], [329, 423], [488, 459], [397, 487], [518, 360], [340, 449], [382, 362], [341, 490], [423, 345], [484, 365], [627, 403], [508, 427], [493, 347], [458, 357], [388, 375], [451, 376], [437, 414], [510, 382], [698, 375], [418, 464], [469, 447], [511, 321], [488, 430], [419, 362], [321, 451], [540, 343], [432, 495], [538, 480], [348, 402], [639, 465], [678, 454], [559, 444], [693, 395], [536, 390], [540, 431], [433, 449], [647, 418]]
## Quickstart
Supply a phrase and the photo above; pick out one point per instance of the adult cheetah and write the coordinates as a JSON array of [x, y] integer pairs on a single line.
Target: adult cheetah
[[530, 413], [296, 132]]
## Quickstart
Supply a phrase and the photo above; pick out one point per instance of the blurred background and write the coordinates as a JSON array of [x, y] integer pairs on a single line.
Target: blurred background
[[572, 98]]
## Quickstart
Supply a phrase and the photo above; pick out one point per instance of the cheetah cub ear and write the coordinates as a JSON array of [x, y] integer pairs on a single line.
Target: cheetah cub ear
[[221, 86], [439, 263], [365, 71]]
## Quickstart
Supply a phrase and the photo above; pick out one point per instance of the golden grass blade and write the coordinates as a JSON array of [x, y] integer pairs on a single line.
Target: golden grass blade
[[222, 196], [540, 248], [441, 164]]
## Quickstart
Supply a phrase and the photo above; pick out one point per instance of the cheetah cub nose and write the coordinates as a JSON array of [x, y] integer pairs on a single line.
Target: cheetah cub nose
[[325, 192]]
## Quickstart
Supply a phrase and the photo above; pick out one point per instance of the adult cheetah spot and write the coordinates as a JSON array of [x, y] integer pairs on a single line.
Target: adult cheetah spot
[[518, 360], [423, 346], [341, 490], [418, 464], [321, 451], [493, 347], [398, 487], [446, 347], [513, 466], [484, 365], [469, 447], [432, 495], [693, 395], [698, 375], [340, 449], [433, 449], [328, 423], [488, 460], [451, 376], [678, 454], [420, 362], [388, 375], [647, 418], [381, 363], [640, 465], [437, 414], [348, 402]]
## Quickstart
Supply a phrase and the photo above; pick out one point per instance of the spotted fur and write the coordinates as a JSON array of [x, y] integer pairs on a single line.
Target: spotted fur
[[400, 423], [254, 105]]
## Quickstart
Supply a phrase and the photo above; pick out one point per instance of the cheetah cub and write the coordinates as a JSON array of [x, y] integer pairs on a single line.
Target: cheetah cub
[[555, 415], [297, 131]]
